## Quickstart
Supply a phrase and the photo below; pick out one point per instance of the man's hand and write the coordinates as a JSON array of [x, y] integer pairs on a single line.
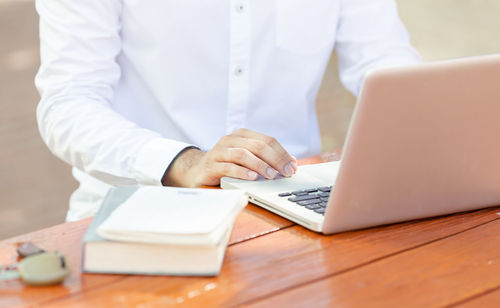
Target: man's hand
[[244, 154]]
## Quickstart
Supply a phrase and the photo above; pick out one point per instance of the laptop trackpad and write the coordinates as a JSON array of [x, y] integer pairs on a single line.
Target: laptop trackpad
[[306, 177]]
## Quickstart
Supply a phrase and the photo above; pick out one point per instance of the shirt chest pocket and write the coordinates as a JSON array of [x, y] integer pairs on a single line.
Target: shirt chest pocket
[[306, 26]]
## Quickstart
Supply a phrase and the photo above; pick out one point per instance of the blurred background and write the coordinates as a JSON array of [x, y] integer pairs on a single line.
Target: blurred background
[[35, 186]]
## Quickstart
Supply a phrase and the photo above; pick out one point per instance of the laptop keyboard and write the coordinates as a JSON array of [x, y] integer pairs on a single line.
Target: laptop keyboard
[[314, 199]]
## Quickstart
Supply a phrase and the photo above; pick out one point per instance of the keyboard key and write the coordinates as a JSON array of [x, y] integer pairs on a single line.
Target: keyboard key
[[323, 204], [325, 199], [307, 202], [325, 189], [302, 198], [299, 192], [311, 190], [320, 210], [324, 194], [285, 194], [312, 206]]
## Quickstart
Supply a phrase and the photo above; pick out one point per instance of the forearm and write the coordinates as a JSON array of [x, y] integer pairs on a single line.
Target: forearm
[[94, 138]]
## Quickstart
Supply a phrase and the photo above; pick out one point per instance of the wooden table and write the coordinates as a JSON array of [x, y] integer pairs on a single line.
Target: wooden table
[[448, 261]]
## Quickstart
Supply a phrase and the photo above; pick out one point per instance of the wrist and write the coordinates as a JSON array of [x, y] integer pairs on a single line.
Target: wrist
[[181, 171]]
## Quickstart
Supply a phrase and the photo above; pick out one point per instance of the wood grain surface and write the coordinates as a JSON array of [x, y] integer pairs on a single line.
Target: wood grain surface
[[459, 266], [272, 262], [66, 238], [490, 298]]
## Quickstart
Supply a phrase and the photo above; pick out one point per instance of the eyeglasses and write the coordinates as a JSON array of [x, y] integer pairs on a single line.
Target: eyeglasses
[[38, 267]]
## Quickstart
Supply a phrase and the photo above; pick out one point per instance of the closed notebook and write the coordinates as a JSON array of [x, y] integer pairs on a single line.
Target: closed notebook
[[169, 215], [138, 247]]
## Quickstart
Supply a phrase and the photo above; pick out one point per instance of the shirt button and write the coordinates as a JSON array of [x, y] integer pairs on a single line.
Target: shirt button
[[238, 71], [240, 8]]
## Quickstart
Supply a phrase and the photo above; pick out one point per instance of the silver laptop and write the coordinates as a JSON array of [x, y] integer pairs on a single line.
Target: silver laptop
[[424, 141]]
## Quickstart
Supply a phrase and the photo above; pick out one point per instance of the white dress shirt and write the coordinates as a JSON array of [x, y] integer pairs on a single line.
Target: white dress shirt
[[125, 85]]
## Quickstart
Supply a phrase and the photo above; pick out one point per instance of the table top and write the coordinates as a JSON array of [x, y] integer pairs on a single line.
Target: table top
[[447, 261]]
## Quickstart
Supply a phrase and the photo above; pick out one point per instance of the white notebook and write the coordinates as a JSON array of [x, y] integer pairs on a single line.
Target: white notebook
[[179, 216]]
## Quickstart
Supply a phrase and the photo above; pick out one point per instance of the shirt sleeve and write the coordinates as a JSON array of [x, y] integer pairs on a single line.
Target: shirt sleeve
[[370, 35], [79, 44]]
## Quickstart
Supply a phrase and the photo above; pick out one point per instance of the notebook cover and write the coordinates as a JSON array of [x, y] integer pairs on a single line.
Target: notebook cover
[[112, 200]]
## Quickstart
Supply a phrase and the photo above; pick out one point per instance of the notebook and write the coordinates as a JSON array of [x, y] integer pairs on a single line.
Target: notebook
[[176, 231]]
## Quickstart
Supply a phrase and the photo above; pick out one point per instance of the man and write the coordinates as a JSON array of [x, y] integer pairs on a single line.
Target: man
[[185, 92]]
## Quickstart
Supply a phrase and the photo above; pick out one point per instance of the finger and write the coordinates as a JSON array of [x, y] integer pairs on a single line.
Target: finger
[[274, 144], [269, 151], [235, 171], [296, 163], [247, 159]]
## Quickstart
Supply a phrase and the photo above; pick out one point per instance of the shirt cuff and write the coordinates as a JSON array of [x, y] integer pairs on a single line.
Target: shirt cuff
[[154, 158]]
